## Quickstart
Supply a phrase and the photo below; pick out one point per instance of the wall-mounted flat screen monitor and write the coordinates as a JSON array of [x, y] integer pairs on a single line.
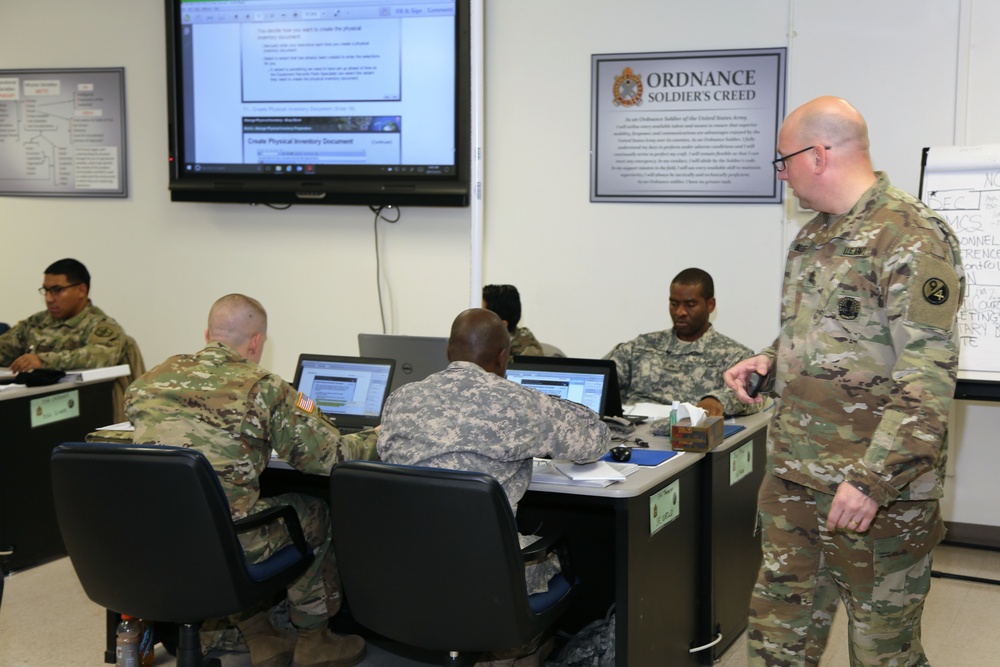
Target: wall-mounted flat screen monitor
[[359, 102]]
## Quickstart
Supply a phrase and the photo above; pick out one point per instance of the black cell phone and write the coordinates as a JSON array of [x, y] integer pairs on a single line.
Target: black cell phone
[[756, 382]]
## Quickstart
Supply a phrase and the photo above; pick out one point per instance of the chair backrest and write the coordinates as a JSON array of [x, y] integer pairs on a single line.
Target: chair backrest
[[149, 531], [551, 351], [430, 557], [133, 357]]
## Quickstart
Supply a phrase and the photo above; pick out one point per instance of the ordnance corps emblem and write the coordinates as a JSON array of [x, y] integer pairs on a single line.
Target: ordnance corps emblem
[[628, 89]]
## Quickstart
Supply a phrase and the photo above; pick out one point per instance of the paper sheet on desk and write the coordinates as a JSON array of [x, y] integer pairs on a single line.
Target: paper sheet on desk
[[656, 411], [121, 426], [651, 410], [6, 374], [548, 472], [105, 372], [588, 471]]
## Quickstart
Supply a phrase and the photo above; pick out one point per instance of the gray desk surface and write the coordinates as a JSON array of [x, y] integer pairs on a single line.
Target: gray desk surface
[[647, 477], [17, 391]]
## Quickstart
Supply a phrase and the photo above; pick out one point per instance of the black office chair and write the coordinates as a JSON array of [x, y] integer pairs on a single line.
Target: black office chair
[[149, 532], [430, 558]]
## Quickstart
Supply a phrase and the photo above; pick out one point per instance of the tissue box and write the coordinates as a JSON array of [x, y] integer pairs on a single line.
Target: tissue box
[[701, 438]]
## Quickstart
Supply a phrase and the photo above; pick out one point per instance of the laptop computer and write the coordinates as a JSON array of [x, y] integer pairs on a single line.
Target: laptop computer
[[416, 356], [349, 390], [589, 382]]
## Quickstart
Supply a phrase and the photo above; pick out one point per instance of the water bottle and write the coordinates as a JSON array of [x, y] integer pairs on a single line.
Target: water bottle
[[675, 407], [127, 643]]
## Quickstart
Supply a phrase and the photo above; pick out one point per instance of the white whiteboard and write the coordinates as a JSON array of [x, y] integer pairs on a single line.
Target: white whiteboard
[[962, 183]]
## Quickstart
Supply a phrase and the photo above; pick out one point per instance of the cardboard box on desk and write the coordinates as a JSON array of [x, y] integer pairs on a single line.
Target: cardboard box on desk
[[708, 434]]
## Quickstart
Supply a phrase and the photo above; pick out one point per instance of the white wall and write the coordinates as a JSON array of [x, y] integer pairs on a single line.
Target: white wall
[[922, 71]]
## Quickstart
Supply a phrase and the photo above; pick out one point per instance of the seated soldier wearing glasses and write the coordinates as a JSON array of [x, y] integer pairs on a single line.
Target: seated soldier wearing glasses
[[70, 333]]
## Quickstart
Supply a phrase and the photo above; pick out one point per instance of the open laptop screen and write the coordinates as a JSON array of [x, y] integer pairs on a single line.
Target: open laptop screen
[[416, 356], [352, 390], [582, 381]]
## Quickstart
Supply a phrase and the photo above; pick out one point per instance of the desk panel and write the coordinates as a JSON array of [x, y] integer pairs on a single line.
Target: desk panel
[[28, 525], [730, 546], [650, 578]]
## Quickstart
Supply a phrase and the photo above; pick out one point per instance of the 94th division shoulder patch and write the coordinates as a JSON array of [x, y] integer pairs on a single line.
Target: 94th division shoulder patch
[[937, 302], [936, 291]]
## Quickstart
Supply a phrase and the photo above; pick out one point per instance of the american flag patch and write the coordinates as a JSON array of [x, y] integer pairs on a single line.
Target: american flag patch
[[305, 403]]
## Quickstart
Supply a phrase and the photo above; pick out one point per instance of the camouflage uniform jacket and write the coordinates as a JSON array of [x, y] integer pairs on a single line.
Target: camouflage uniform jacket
[[866, 359], [234, 412], [523, 342], [659, 367], [89, 339], [464, 418]]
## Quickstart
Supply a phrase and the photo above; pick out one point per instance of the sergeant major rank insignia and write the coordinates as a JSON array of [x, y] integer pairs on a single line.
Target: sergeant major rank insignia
[[849, 307], [935, 291], [628, 89]]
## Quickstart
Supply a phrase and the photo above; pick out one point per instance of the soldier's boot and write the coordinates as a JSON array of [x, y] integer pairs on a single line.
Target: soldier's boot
[[321, 648], [269, 647]]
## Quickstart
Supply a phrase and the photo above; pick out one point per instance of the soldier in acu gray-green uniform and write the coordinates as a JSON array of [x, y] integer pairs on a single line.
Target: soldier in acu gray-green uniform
[[685, 363], [471, 417], [220, 402], [864, 370]]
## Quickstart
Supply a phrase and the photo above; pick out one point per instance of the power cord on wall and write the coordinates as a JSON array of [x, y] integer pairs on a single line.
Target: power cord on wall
[[377, 210]]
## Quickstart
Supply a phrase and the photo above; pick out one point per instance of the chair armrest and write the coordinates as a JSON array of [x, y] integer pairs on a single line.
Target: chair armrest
[[540, 549], [284, 513]]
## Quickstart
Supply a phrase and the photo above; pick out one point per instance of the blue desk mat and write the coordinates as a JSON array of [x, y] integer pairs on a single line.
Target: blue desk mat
[[731, 429], [654, 457], [644, 457]]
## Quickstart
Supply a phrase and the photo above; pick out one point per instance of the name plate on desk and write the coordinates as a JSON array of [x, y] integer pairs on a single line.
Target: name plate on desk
[[740, 463], [55, 408], [664, 506]]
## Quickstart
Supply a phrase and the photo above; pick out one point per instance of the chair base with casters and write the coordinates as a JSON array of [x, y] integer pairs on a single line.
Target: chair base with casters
[[156, 518], [430, 558]]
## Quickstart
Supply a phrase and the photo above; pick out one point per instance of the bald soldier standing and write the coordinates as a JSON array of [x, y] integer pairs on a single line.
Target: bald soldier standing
[[220, 402], [864, 368]]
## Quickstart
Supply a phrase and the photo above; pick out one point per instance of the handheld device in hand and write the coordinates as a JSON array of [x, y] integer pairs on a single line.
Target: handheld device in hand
[[757, 383]]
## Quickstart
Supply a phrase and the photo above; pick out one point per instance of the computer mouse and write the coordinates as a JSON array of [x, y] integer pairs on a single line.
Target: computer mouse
[[621, 453]]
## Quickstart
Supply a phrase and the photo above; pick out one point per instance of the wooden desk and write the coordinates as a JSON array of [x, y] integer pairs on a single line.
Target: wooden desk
[[671, 588], [29, 532]]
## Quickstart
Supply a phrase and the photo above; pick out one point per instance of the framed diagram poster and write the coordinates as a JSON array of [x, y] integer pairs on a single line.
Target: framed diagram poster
[[688, 126], [62, 133]]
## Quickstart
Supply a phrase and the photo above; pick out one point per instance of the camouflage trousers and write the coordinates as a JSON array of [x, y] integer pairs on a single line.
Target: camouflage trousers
[[537, 575], [312, 598], [882, 576]]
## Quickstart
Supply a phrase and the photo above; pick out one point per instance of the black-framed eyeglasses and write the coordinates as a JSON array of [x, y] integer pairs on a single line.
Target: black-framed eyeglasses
[[779, 164], [56, 290]]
